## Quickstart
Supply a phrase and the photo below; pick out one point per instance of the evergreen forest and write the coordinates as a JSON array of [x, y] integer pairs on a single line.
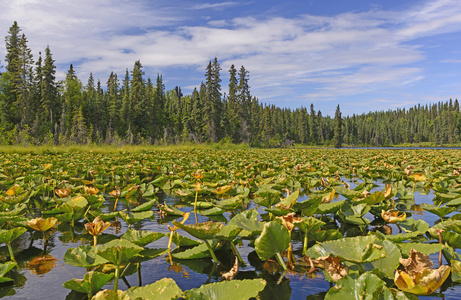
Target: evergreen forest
[[132, 108]]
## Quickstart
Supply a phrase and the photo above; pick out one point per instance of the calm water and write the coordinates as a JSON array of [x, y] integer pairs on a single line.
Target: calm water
[[46, 282]]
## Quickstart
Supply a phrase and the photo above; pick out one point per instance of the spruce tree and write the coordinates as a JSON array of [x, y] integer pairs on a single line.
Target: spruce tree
[[49, 92], [338, 137]]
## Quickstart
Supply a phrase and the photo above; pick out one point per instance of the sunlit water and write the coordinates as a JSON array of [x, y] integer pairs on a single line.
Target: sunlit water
[[47, 284]]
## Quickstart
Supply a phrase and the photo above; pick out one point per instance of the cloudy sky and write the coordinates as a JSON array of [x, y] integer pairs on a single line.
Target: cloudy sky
[[363, 55]]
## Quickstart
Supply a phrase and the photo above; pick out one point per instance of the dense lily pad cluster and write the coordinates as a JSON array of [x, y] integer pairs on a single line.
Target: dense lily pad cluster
[[346, 215]]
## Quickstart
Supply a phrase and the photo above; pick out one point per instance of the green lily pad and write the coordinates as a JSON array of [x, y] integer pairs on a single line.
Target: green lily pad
[[290, 200], [5, 268], [358, 249], [182, 241], [200, 251], [117, 251], [273, 239], [202, 231], [228, 233], [83, 256], [402, 236], [423, 248], [309, 224], [455, 270], [412, 225], [147, 254], [170, 210], [163, 289], [77, 203], [324, 235], [145, 206], [133, 217], [141, 237], [330, 208], [389, 263], [91, 283], [439, 211], [307, 207], [227, 290], [366, 287], [212, 211], [9, 235]]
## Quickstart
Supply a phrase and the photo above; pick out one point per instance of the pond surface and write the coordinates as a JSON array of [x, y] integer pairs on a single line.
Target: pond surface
[[44, 281]]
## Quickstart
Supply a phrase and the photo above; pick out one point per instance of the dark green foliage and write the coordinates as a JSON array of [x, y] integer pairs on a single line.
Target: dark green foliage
[[138, 110], [338, 137]]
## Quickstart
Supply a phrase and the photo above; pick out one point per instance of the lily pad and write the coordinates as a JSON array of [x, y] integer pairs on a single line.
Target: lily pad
[[141, 237], [202, 231], [117, 251], [91, 283], [366, 287], [273, 239], [83, 256], [227, 290], [358, 249], [163, 289]]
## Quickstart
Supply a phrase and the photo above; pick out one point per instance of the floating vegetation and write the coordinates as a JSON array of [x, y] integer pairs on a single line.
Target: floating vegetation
[[261, 218]]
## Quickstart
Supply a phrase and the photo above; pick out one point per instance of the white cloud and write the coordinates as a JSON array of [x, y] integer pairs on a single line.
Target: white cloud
[[344, 54], [220, 5]]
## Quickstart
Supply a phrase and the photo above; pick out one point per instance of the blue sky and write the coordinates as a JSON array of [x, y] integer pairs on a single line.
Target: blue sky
[[363, 55]]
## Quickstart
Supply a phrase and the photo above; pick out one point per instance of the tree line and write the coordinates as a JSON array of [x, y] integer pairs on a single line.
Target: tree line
[[36, 108]]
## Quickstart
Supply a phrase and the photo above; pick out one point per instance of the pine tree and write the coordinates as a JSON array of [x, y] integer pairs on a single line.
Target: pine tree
[[137, 96], [10, 112], [244, 99], [338, 137], [233, 106], [313, 127], [49, 92]]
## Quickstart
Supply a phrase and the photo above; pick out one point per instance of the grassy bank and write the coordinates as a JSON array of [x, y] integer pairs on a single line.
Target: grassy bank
[[116, 149]]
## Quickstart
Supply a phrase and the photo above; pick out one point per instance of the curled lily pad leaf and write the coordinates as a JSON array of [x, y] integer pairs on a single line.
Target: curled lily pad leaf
[[41, 224], [393, 216], [170, 210], [233, 271], [424, 283], [97, 226], [288, 202], [333, 266], [62, 193], [419, 277], [273, 239], [228, 290]]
